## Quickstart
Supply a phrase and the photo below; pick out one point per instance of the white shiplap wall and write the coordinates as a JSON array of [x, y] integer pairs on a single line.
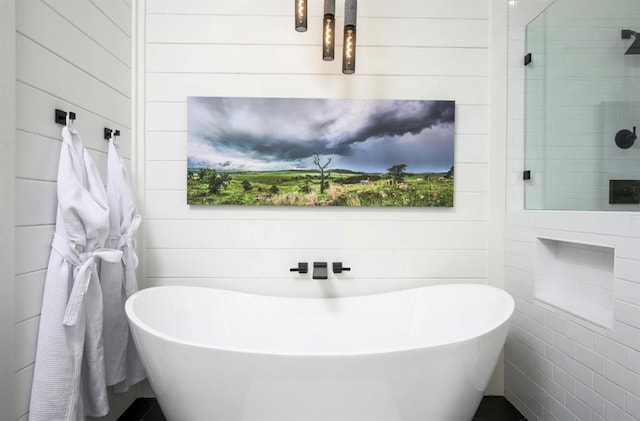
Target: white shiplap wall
[[408, 49], [559, 367], [7, 205], [75, 56]]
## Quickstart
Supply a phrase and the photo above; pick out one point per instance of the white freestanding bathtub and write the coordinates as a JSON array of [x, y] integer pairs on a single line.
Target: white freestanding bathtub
[[423, 354]]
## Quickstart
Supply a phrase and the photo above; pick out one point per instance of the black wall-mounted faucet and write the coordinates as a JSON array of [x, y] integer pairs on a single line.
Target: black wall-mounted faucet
[[303, 267], [320, 270], [338, 268]]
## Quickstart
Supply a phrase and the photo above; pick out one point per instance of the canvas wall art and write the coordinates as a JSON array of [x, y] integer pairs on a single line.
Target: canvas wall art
[[320, 152]]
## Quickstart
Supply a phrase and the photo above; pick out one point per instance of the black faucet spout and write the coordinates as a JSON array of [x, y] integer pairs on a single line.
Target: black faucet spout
[[320, 270]]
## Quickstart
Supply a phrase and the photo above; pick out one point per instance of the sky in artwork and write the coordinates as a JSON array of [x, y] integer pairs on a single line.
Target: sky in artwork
[[269, 134]]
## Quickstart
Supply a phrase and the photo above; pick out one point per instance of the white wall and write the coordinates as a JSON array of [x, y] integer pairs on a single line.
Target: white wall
[[75, 56], [188, 54], [7, 204], [410, 49], [558, 366]]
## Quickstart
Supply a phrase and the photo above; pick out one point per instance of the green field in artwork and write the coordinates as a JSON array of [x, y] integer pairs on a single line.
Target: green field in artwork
[[305, 188]]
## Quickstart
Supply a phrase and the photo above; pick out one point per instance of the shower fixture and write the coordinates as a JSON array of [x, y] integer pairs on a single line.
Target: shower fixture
[[625, 138], [635, 46]]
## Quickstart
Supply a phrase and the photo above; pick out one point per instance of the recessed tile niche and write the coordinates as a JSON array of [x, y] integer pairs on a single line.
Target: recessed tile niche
[[576, 278]]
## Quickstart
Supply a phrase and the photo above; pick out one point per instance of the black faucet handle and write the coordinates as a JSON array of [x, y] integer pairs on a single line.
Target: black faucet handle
[[303, 267], [338, 268]]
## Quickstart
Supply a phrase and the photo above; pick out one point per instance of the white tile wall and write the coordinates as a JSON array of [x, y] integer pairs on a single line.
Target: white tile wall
[[576, 277], [586, 372], [75, 56], [580, 93]]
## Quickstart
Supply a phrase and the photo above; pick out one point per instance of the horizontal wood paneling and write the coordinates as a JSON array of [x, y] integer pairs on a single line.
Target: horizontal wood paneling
[[34, 114], [176, 87], [83, 52], [117, 12], [28, 194], [388, 32], [33, 246], [272, 263], [406, 49], [287, 234], [23, 391], [26, 338], [472, 119], [87, 17], [292, 59], [7, 208], [472, 148], [29, 291], [64, 80], [470, 9], [36, 156]]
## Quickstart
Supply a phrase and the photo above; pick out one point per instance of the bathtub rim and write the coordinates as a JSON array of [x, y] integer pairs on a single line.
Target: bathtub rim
[[132, 317]]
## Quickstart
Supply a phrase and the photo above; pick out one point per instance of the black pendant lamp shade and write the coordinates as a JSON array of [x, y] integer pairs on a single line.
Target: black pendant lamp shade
[[349, 44], [301, 15], [329, 30]]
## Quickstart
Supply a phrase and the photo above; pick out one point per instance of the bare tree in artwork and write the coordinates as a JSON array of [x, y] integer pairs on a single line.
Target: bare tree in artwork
[[316, 160]]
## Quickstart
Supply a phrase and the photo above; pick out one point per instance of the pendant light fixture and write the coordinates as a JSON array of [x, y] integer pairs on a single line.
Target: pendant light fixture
[[301, 15], [349, 44], [329, 30]]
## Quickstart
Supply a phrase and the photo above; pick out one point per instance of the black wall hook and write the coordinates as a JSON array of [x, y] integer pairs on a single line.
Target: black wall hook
[[108, 131], [61, 117]]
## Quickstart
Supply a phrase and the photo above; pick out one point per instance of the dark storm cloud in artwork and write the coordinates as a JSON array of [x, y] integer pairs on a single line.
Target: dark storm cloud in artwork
[[262, 134]]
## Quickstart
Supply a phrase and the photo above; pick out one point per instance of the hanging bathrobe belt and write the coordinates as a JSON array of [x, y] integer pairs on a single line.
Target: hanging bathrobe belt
[[126, 243], [85, 267]]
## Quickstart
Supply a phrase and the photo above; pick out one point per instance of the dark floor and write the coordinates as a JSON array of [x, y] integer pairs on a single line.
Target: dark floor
[[497, 408], [492, 408], [143, 409]]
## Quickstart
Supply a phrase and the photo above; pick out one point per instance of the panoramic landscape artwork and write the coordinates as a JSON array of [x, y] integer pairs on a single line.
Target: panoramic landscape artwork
[[320, 152]]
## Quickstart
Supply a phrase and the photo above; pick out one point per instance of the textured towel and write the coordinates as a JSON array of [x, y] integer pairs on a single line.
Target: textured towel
[[118, 280], [69, 373]]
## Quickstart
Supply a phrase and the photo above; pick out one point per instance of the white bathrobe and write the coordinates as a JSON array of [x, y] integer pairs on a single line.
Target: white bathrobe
[[69, 373], [118, 280]]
